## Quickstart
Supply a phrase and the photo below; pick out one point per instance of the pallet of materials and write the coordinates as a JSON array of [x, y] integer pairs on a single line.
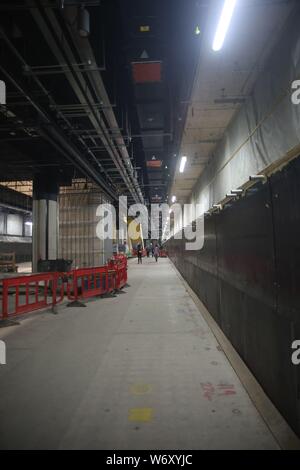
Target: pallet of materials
[[8, 262]]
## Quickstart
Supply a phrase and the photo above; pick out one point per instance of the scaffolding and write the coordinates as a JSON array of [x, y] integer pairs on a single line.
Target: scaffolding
[[77, 227]]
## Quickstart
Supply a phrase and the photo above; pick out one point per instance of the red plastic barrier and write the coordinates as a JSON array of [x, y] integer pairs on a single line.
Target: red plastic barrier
[[90, 282], [120, 258], [119, 265], [31, 293], [121, 276], [38, 291], [163, 253]]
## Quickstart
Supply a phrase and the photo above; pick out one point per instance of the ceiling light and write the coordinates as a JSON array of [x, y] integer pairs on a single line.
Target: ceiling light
[[182, 164], [223, 24], [83, 25], [174, 198]]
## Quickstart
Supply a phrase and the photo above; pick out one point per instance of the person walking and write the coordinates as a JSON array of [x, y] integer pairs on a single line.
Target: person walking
[[148, 251], [139, 254], [156, 252]]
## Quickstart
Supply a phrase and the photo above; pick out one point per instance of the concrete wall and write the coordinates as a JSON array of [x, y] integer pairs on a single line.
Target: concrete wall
[[2, 221]]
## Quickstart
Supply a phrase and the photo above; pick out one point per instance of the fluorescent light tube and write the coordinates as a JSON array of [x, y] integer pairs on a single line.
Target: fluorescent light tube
[[223, 24], [182, 164]]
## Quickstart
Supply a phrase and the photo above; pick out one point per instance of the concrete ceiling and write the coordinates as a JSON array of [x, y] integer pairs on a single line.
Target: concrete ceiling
[[225, 75]]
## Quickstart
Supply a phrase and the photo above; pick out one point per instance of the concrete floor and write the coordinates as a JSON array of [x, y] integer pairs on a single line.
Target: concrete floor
[[139, 371]]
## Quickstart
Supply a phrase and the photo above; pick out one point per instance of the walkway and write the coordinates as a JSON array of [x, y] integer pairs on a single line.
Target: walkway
[[139, 371]]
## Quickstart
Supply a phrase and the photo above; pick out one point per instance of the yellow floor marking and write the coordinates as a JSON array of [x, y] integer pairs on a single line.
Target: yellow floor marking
[[140, 414], [140, 389]]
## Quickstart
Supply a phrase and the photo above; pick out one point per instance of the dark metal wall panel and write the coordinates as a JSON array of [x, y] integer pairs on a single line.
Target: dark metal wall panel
[[245, 244], [247, 275], [267, 352], [232, 314], [286, 209], [203, 266], [207, 257]]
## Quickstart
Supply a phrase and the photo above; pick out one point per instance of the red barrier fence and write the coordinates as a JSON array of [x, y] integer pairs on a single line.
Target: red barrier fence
[[120, 258], [30, 293], [36, 291], [120, 268], [90, 282], [163, 253]]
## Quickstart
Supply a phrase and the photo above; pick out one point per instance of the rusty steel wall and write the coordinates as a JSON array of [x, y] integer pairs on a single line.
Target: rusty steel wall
[[248, 276]]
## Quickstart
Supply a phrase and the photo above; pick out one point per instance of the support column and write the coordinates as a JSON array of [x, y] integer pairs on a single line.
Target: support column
[[44, 218]]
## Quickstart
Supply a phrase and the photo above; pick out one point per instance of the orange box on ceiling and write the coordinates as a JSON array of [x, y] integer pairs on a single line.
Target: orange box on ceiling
[[146, 72], [154, 163]]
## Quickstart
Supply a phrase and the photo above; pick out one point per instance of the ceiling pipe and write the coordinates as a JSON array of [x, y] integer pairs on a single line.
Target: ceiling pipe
[[52, 132], [52, 30], [77, 81]]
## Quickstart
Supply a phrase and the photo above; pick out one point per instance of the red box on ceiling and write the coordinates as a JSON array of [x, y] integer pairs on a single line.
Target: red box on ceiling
[[146, 72], [154, 163]]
